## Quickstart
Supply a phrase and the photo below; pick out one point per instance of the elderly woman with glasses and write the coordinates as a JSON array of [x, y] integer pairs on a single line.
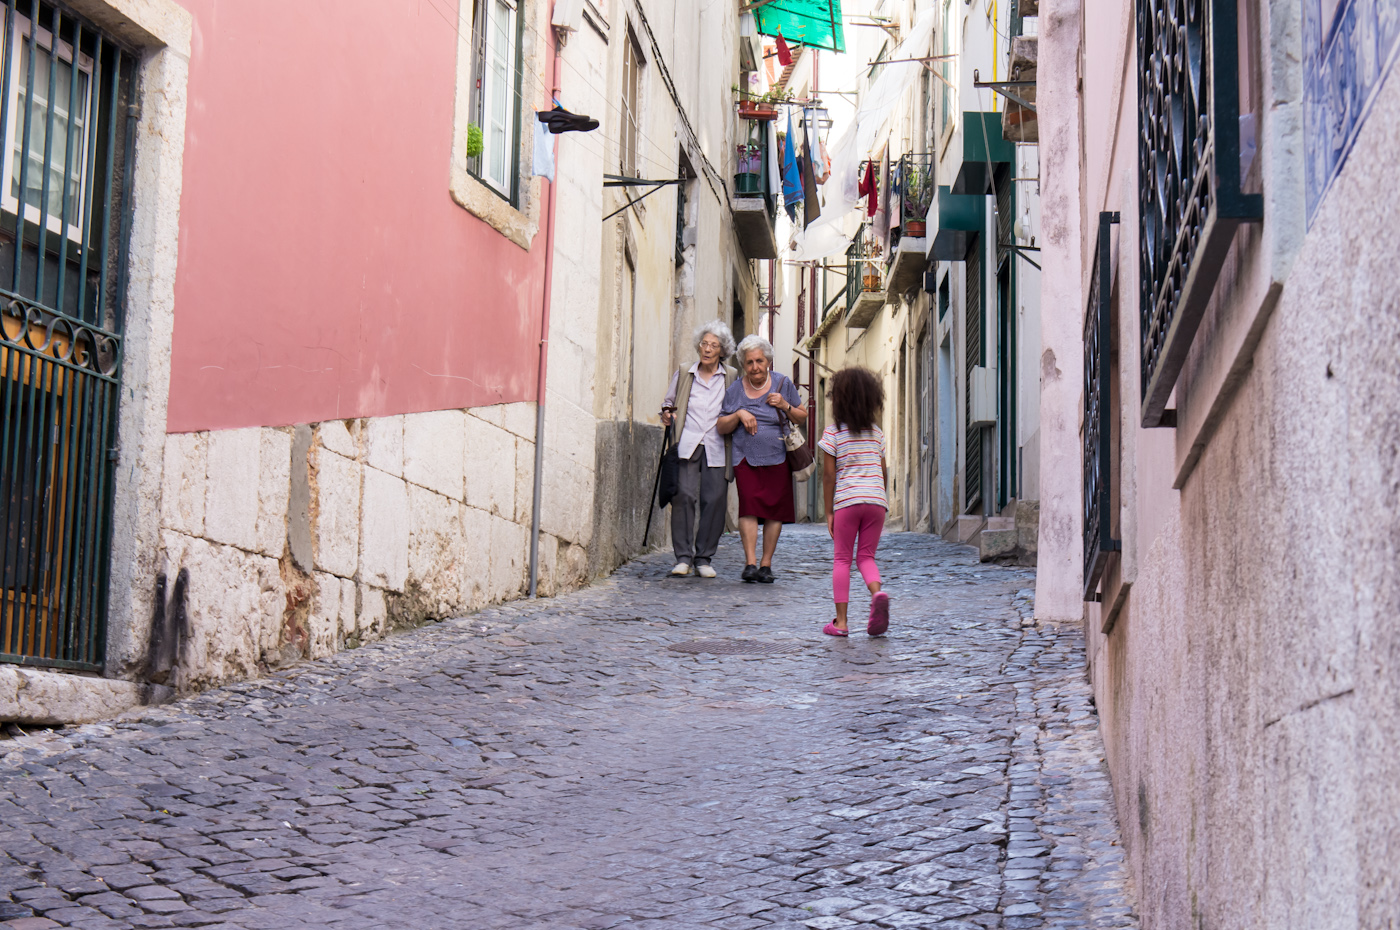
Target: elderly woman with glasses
[[755, 410], [694, 400]]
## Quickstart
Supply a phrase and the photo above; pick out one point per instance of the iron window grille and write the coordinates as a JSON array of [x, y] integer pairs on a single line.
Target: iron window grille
[[1096, 432], [1189, 196], [68, 117]]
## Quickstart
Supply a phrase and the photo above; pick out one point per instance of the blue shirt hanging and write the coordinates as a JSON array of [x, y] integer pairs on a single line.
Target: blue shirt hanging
[[792, 177]]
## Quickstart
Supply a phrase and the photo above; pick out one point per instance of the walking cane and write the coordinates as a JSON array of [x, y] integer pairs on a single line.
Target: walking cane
[[656, 483]]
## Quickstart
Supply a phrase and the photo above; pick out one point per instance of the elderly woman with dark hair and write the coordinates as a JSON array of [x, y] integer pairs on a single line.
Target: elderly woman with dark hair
[[694, 400], [755, 410]]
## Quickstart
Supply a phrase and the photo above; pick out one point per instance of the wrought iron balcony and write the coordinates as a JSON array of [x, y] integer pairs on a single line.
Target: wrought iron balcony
[[1097, 460], [1189, 196], [913, 182], [865, 279], [908, 258], [753, 204]]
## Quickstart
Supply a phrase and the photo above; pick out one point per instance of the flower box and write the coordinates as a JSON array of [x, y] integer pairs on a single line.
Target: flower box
[[752, 109]]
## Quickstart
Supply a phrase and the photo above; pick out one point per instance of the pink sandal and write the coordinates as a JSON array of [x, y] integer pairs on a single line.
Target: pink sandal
[[879, 614], [831, 629]]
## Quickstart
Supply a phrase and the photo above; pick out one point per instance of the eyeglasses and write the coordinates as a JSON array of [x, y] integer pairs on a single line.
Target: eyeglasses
[[708, 344]]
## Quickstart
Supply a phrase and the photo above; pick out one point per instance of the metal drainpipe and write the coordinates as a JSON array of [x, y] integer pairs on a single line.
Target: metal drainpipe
[[772, 302], [544, 351]]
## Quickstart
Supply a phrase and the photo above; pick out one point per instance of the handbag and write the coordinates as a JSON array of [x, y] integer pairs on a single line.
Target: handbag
[[669, 481], [800, 460]]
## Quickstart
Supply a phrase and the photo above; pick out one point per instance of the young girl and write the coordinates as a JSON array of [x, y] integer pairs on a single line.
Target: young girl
[[853, 478]]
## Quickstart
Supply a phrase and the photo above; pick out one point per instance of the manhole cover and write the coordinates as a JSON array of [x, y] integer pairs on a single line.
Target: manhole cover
[[734, 647]]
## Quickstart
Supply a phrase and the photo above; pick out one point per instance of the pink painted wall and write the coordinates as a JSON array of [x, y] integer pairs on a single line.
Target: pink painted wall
[[324, 270]]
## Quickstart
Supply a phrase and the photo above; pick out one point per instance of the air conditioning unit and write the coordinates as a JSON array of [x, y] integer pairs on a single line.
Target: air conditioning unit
[[983, 409], [568, 14]]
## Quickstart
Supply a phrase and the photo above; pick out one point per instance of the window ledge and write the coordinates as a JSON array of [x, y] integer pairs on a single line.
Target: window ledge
[[518, 224], [488, 206]]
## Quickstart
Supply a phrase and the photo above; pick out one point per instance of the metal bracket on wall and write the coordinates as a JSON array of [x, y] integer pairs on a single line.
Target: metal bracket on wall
[[1000, 88], [1022, 250], [620, 180]]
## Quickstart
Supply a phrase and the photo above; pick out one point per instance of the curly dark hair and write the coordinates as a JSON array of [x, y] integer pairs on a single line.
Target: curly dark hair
[[856, 399]]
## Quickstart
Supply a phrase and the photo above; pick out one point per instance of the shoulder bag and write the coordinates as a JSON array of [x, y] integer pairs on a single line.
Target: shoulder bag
[[800, 460]]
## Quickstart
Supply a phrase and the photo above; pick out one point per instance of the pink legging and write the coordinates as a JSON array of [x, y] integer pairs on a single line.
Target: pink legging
[[865, 520]]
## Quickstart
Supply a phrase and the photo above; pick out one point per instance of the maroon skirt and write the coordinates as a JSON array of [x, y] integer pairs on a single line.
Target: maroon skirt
[[765, 491]]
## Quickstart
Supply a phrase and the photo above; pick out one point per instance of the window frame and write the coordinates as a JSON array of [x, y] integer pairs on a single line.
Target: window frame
[[484, 94], [630, 134], [76, 173]]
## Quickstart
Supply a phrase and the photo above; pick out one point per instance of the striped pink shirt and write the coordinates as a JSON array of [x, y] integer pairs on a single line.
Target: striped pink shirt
[[860, 478]]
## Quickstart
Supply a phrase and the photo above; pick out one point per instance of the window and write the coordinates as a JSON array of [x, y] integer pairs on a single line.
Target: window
[[945, 49], [496, 94], [684, 173], [874, 71], [629, 159], [53, 186]]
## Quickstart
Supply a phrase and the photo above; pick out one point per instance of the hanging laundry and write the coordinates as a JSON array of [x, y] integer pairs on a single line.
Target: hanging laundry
[[811, 206], [880, 225], [821, 166], [792, 178], [869, 190], [784, 53], [542, 165], [897, 202], [772, 177]]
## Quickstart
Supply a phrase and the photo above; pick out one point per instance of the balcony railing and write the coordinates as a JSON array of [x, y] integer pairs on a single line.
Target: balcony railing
[[863, 270], [865, 278], [1097, 429], [914, 182], [751, 173], [1189, 200], [754, 204]]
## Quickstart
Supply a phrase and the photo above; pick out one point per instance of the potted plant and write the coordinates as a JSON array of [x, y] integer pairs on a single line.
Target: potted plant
[[918, 197], [748, 165], [764, 107], [475, 140], [750, 108]]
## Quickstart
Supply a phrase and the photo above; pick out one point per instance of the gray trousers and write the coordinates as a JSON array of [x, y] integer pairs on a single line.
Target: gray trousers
[[703, 493]]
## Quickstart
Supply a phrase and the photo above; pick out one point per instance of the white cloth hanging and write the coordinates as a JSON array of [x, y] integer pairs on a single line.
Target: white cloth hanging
[[826, 237], [544, 152]]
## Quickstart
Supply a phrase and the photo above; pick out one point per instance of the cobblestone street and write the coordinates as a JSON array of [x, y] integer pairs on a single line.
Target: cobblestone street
[[568, 763]]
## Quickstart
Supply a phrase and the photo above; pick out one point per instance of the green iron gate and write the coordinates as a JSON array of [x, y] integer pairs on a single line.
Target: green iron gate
[[67, 117], [976, 356]]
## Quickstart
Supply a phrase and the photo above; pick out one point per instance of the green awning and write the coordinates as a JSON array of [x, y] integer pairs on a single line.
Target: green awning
[[809, 22]]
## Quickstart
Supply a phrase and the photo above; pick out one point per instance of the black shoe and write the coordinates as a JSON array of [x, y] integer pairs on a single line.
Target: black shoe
[[765, 574], [561, 120], [750, 573]]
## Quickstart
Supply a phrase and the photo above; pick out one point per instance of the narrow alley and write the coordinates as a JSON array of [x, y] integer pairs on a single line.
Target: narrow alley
[[584, 762]]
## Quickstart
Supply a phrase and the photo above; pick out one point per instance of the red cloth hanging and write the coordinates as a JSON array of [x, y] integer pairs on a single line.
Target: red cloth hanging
[[869, 189], [784, 53]]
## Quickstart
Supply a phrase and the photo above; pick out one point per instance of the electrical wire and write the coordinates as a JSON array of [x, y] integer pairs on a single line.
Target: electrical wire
[[519, 94]]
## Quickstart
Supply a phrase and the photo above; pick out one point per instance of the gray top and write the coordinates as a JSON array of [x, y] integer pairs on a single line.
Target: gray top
[[766, 446]]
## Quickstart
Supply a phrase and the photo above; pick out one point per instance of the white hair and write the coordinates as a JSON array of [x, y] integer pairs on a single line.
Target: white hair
[[720, 331], [755, 341]]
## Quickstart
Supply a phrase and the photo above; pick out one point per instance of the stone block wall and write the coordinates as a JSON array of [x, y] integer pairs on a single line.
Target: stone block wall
[[301, 541]]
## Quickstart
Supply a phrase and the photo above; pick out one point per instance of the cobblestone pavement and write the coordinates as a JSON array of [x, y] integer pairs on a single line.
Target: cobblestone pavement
[[561, 764]]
